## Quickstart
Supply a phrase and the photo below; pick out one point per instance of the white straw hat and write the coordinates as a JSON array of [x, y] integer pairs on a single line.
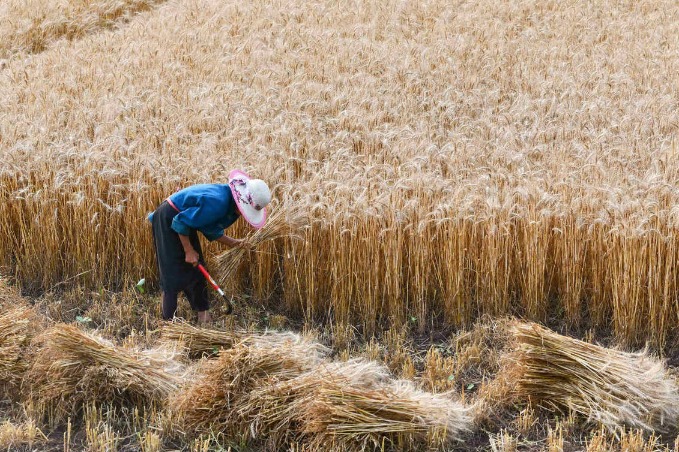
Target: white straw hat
[[251, 196]]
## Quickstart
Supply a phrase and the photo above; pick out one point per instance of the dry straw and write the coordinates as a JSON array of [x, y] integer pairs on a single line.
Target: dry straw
[[15, 336], [355, 417], [211, 401], [284, 223], [198, 341], [275, 412], [352, 405], [608, 386], [73, 368], [274, 390]]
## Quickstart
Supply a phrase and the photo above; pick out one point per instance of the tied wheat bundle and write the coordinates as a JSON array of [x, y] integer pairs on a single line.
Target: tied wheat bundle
[[73, 368], [15, 336], [351, 405], [359, 416], [281, 224], [274, 413], [211, 401], [272, 339], [200, 342], [605, 385], [399, 414]]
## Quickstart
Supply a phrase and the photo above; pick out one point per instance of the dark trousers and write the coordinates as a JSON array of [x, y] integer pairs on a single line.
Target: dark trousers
[[176, 275]]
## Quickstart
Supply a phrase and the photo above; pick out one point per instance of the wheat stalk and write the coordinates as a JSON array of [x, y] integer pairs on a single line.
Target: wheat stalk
[[608, 386], [72, 368], [282, 224], [420, 213]]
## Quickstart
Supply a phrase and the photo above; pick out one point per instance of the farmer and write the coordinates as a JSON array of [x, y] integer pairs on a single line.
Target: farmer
[[208, 208]]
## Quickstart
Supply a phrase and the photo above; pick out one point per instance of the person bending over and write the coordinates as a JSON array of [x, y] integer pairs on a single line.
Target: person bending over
[[210, 209]]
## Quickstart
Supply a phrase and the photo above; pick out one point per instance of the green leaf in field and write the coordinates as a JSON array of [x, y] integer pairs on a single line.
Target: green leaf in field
[[83, 319], [451, 377], [470, 386], [215, 350], [140, 285]]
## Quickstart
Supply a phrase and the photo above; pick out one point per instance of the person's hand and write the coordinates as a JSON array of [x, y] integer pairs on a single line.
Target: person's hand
[[192, 257], [246, 244]]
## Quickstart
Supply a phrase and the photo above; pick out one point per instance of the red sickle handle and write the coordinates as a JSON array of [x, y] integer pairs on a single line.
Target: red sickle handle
[[210, 280]]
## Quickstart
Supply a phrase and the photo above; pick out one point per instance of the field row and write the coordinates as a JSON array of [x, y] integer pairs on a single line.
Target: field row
[[177, 386], [455, 160], [380, 271]]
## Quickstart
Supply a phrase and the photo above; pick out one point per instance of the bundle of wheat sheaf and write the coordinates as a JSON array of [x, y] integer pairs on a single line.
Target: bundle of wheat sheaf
[[275, 389], [284, 223], [15, 335], [355, 406], [276, 413], [199, 342], [212, 400], [73, 368], [607, 386], [398, 414]]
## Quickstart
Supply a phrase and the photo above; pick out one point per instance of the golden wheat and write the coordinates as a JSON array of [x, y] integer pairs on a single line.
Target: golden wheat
[[16, 332], [482, 158], [211, 402], [199, 341], [73, 368], [282, 224], [31, 26], [604, 385]]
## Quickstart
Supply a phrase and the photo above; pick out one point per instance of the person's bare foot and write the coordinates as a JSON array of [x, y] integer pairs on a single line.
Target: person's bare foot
[[204, 317]]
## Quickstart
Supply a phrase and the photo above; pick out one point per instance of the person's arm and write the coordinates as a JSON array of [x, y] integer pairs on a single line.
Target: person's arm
[[192, 255], [229, 241]]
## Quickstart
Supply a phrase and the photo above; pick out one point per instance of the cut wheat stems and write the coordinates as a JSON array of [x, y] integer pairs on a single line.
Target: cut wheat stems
[[281, 224], [275, 412], [352, 405], [15, 334], [73, 368], [199, 342], [211, 400], [608, 386]]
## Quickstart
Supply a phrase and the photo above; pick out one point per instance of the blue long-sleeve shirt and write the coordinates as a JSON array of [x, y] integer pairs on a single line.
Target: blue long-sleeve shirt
[[208, 208]]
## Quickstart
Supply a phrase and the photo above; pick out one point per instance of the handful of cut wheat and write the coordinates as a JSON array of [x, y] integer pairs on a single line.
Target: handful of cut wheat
[[73, 368], [609, 386], [199, 342], [15, 334], [281, 224], [214, 400]]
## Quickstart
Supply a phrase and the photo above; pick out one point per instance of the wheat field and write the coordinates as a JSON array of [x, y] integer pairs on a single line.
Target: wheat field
[[456, 158]]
